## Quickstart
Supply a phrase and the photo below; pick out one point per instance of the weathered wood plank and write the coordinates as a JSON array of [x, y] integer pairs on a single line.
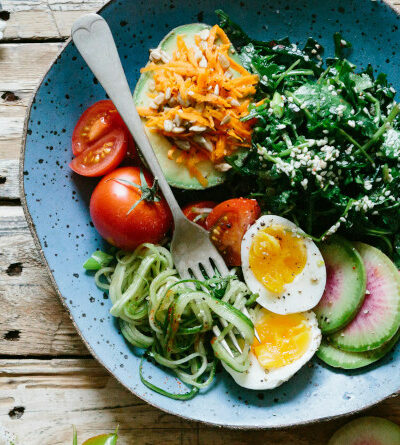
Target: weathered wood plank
[[32, 320], [22, 67], [9, 184], [41, 399], [395, 4], [44, 19]]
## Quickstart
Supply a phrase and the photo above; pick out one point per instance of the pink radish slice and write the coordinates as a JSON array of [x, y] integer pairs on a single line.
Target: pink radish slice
[[338, 358], [379, 316], [345, 284]]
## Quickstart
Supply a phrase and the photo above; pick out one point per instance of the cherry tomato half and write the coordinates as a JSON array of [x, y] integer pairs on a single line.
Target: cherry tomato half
[[98, 120], [111, 209], [103, 156], [198, 211], [227, 224], [97, 123]]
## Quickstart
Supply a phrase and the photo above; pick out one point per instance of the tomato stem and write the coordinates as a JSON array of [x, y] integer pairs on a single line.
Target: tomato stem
[[148, 194]]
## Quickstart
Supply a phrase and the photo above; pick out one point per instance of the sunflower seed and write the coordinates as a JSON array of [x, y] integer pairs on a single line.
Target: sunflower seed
[[216, 90], [178, 129], [197, 54], [235, 103], [198, 128], [159, 99], [204, 142], [164, 57], [203, 62], [177, 120], [223, 167], [226, 119], [180, 100], [155, 54], [168, 93], [168, 125], [223, 60], [204, 34]]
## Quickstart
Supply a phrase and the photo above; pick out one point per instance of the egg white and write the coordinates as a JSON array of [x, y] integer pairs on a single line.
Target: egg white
[[256, 377], [305, 291]]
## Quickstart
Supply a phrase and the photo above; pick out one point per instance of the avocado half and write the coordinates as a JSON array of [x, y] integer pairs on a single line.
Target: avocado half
[[176, 175]]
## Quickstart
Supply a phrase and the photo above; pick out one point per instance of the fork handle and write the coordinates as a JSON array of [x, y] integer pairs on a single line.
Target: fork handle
[[93, 38]]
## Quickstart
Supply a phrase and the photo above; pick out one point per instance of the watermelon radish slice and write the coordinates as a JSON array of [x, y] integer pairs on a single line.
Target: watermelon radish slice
[[367, 431], [345, 285], [353, 360], [378, 319]]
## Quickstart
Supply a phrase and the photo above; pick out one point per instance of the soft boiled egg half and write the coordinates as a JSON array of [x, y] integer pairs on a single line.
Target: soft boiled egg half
[[282, 265], [288, 342]]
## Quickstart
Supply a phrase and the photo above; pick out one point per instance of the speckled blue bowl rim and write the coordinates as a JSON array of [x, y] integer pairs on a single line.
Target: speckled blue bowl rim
[[38, 245]]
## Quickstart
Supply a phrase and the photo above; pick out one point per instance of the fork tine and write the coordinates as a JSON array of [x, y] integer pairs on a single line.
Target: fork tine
[[208, 268], [184, 274], [231, 336], [246, 312], [224, 271], [197, 272], [210, 272], [220, 265], [217, 332]]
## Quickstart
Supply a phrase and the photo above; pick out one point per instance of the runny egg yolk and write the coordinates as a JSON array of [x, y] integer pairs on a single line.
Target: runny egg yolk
[[276, 256], [284, 339]]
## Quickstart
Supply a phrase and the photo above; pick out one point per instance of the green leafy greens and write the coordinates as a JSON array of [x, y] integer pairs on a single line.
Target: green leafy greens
[[326, 141]]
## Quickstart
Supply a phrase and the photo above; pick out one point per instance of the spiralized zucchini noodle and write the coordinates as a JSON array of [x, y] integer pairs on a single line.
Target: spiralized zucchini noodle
[[172, 318]]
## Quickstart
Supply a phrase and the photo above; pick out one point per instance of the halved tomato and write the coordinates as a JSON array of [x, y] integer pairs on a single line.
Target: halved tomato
[[227, 224], [198, 211], [98, 120], [103, 156]]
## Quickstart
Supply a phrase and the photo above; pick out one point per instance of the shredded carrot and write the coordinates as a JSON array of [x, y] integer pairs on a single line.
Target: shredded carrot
[[208, 93]]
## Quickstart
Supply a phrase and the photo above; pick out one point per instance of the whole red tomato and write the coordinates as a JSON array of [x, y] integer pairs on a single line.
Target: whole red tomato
[[127, 210]]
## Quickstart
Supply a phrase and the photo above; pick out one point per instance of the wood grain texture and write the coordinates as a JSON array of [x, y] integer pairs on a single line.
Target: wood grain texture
[[9, 183], [41, 20], [32, 319], [22, 67], [45, 398], [41, 399]]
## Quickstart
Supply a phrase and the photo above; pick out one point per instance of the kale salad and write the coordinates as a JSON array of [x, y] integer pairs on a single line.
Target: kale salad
[[326, 143]]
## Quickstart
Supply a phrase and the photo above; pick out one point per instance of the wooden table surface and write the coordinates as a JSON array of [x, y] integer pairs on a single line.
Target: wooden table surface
[[48, 380]]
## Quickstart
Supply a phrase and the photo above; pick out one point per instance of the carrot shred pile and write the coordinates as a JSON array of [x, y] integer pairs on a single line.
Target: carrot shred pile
[[197, 101]]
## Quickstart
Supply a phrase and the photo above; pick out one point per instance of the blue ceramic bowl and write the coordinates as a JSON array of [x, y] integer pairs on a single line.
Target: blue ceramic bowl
[[56, 201]]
